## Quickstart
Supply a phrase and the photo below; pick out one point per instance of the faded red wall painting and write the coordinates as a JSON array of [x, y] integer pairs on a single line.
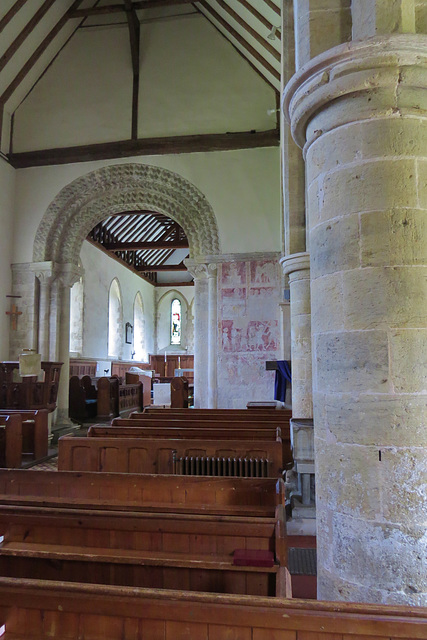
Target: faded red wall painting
[[249, 297]]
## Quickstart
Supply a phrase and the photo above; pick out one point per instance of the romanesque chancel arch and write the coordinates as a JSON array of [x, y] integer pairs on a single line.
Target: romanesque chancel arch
[[82, 204]]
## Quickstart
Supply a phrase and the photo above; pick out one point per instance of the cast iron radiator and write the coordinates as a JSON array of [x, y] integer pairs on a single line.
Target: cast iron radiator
[[217, 466]]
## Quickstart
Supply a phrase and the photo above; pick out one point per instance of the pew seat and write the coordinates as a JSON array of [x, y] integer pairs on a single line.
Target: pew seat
[[192, 551]]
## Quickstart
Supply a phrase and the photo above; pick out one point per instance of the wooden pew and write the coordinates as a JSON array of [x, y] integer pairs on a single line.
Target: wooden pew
[[283, 414], [35, 430], [137, 492], [198, 552], [39, 609], [206, 423], [208, 432], [11, 441], [137, 455]]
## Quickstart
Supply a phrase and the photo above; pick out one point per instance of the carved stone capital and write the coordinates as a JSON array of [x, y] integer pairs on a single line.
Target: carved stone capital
[[296, 266], [385, 76], [44, 271], [201, 270], [68, 274]]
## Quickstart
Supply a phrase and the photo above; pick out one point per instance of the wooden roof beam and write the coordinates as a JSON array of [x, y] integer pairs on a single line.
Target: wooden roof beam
[[119, 8], [259, 16], [148, 268], [11, 13], [36, 55], [134, 29], [23, 35], [272, 6], [189, 283], [146, 246], [237, 18], [147, 146], [234, 34]]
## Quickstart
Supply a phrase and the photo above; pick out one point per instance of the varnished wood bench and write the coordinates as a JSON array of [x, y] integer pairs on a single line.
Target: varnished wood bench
[[11, 441], [254, 425], [191, 551], [137, 429], [39, 609], [150, 455], [136, 492], [280, 414], [35, 430]]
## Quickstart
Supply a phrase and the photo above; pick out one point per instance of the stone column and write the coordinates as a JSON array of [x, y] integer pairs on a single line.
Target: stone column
[[320, 25], [201, 333], [297, 267], [358, 112], [65, 278], [44, 272]]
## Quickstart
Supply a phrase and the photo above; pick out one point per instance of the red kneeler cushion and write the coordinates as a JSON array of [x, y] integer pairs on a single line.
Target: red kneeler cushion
[[253, 558]]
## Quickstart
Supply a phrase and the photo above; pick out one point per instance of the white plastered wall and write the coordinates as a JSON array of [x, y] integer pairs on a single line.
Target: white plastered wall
[[7, 193], [99, 271], [243, 188]]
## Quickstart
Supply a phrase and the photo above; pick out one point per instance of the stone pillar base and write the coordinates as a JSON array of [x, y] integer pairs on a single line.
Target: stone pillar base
[[63, 426]]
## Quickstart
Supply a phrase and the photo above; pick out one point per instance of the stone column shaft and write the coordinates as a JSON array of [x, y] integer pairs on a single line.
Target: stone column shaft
[[297, 267], [358, 111], [64, 354], [320, 25], [66, 276], [44, 272], [374, 17]]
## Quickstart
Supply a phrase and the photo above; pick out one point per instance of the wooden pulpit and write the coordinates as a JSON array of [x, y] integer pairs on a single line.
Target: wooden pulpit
[[30, 392]]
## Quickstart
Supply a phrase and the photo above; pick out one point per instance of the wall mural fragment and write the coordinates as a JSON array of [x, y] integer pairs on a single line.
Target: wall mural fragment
[[249, 298]]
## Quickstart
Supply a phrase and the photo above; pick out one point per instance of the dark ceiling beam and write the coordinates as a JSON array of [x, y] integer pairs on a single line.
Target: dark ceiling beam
[[190, 283], [25, 32], [272, 6], [149, 268], [119, 8], [11, 13], [254, 34], [134, 29], [239, 52], [36, 55], [145, 246], [146, 146], [234, 34], [259, 16]]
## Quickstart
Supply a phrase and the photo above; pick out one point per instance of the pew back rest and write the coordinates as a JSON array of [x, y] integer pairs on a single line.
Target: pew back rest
[[38, 609], [209, 433], [35, 430], [138, 455], [133, 491]]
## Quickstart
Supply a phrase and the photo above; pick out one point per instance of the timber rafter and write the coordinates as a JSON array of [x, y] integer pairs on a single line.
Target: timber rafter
[[142, 241], [147, 146]]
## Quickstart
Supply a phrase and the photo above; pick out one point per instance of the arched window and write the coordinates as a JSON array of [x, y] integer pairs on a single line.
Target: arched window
[[139, 330], [176, 320], [115, 321]]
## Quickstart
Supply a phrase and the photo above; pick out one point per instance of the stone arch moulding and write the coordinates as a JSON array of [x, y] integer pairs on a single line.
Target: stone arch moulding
[[175, 294], [93, 197]]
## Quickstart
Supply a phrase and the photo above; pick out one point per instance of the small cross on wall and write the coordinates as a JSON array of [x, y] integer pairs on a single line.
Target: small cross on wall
[[14, 313]]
